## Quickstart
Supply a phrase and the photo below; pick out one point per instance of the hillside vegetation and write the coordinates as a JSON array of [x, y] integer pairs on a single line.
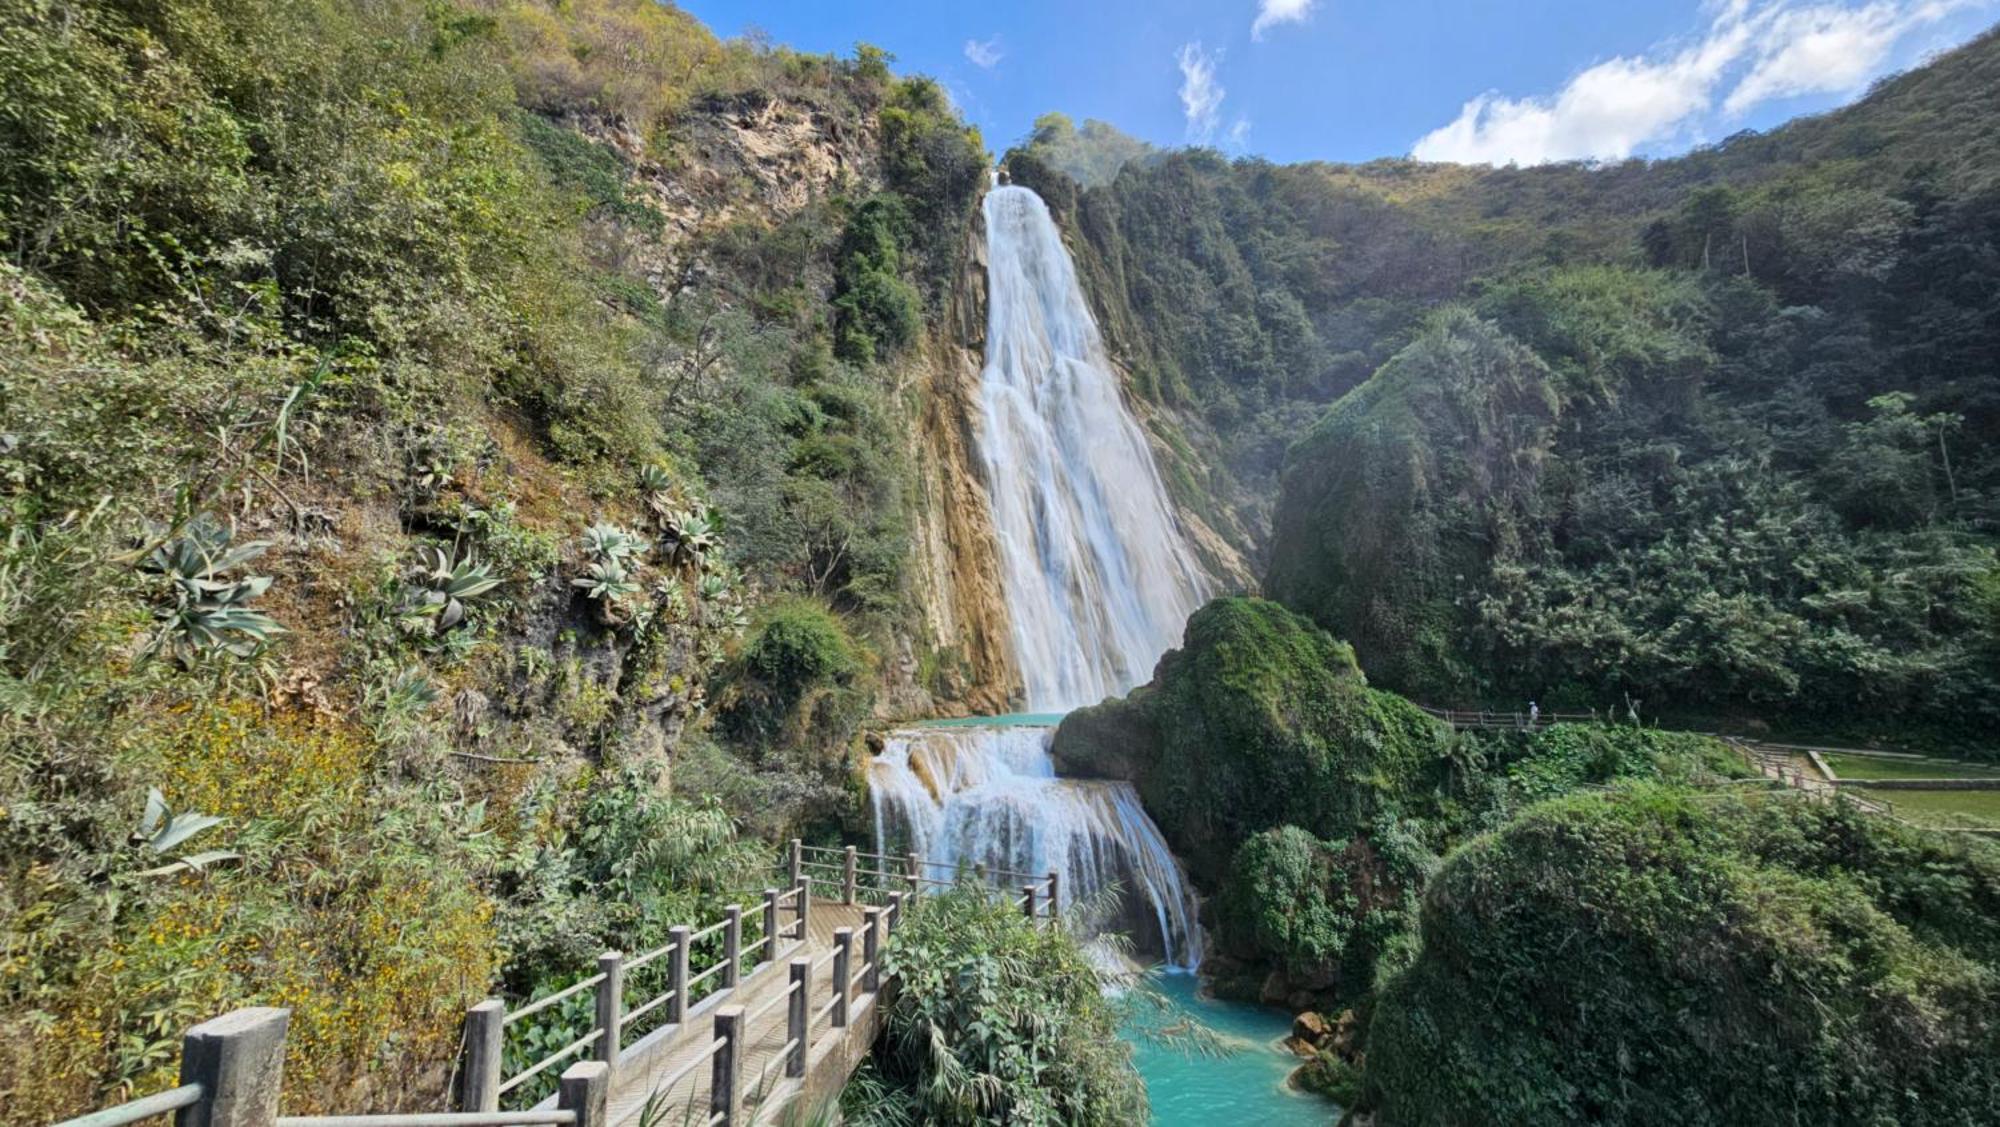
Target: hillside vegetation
[[1711, 436], [422, 422]]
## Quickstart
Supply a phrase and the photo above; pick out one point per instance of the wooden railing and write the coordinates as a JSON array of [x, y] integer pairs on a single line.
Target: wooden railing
[[231, 1071]]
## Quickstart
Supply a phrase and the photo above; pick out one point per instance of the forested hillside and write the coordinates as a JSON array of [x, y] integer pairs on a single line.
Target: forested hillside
[[427, 429], [1711, 436]]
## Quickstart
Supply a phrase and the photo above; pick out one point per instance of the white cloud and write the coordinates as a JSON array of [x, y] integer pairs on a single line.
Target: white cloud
[[986, 55], [1239, 133], [1830, 50], [1767, 48], [1201, 94], [1271, 13]]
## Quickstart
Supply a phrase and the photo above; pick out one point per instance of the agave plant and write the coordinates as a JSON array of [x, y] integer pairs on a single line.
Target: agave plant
[[608, 543], [688, 537], [657, 487], [211, 609], [445, 583], [607, 581], [160, 829]]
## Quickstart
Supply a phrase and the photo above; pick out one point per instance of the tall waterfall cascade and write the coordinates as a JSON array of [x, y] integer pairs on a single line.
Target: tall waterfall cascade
[[1098, 577], [1099, 582]]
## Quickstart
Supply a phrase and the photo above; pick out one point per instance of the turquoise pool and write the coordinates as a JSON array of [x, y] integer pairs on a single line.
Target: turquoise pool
[[1245, 1087]]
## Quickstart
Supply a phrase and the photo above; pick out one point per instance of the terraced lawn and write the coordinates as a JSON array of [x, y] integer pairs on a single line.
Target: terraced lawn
[[1884, 767], [1944, 808]]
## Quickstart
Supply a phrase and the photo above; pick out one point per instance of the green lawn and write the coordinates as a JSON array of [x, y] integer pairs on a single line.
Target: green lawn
[[1944, 807], [1882, 767]]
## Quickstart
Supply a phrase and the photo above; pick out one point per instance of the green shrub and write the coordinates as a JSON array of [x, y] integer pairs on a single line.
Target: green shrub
[[1657, 955], [997, 1020]]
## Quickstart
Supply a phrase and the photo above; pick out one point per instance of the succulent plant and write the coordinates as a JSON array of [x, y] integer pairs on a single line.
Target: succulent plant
[[688, 537], [445, 584], [210, 613]]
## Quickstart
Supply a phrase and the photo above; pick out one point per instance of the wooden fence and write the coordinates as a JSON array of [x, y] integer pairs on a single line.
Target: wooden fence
[[231, 1067]]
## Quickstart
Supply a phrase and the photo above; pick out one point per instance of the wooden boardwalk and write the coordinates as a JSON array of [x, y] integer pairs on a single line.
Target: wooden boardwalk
[[671, 1066]]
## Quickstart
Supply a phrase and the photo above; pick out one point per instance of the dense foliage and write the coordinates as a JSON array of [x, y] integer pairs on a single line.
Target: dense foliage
[[996, 1020], [399, 434], [1260, 719], [1715, 432], [1659, 955]]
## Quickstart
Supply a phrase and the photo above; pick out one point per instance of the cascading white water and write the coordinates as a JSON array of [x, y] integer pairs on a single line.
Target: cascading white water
[[1098, 582], [1097, 575], [966, 796]]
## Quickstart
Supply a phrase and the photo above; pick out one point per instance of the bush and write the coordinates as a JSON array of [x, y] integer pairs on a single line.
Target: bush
[[1659, 955], [997, 1020]]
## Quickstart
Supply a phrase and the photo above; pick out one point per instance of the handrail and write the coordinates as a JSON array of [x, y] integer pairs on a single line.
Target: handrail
[[784, 995], [145, 1107], [704, 933], [544, 1003], [548, 1117], [704, 974], [551, 1060], [637, 1012]]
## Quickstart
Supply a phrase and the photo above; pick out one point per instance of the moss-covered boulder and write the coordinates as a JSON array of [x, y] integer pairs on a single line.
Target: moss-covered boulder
[[1259, 720], [1301, 922], [1658, 955]]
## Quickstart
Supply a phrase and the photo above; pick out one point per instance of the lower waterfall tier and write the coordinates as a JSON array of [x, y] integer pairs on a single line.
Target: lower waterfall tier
[[967, 796]]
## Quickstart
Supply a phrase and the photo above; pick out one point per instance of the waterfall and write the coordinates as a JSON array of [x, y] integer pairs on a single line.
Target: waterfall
[[1098, 583], [989, 795], [1096, 572]]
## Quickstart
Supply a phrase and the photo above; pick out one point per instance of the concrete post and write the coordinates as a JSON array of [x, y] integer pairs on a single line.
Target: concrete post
[[871, 949], [770, 924], [585, 1088], [843, 973], [847, 885], [610, 1007], [677, 974], [795, 1017], [725, 1088], [1028, 901], [798, 862], [1055, 895], [916, 871], [479, 1057], [894, 919], [239, 1061], [732, 946]]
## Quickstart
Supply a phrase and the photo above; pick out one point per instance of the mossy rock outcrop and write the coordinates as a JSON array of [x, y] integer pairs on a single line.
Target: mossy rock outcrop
[[1259, 720], [1659, 955]]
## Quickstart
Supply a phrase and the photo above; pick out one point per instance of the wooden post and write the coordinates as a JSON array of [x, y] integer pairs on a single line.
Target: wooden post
[[725, 1086], [795, 1016], [479, 1058], [239, 1061], [847, 878], [798, 862], [871, 949], [610, 1007], [585, 1088], [770, 924], [1028, 901], [1055, 895], [805, 906], [677, 973], [732, 946], [916, 871], [894, 919], [843, 973]]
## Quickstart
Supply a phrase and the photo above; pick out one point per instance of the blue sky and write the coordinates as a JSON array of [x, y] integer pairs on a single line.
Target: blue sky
[[1470, 80]]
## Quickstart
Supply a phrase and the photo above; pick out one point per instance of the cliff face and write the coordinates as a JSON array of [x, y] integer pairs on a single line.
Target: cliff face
[[957, 577]]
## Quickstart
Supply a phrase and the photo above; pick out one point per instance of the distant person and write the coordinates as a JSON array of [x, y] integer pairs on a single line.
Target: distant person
[[1534, 714]]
